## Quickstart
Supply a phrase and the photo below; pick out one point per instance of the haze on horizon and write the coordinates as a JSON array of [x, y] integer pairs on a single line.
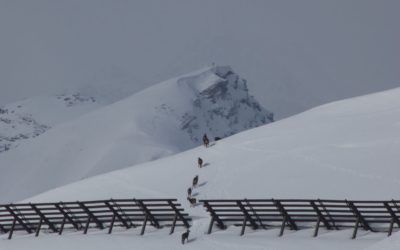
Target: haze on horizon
[[294, 54]]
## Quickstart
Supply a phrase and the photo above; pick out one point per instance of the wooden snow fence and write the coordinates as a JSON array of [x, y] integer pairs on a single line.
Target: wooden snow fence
[[373, 216], [101, 214]]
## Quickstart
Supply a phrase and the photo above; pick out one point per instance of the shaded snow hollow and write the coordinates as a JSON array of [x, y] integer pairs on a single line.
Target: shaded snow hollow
[[162, 120]]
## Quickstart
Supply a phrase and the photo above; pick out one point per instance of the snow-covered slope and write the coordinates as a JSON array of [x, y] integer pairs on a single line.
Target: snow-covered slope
[[347, 149], [32, 117], [162, 120]]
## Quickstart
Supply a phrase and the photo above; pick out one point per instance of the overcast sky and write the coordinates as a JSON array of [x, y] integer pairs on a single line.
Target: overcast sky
[[294, 54]]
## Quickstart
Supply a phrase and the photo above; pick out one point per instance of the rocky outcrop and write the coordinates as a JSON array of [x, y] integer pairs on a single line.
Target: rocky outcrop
[[224, 108]]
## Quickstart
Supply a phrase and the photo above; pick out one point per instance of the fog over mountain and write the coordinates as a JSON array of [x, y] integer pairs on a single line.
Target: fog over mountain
[[294, 54]]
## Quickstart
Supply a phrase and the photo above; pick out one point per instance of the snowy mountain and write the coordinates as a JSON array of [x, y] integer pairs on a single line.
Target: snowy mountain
[[32, 117], [347, 149], [162, 120], [221, 109]]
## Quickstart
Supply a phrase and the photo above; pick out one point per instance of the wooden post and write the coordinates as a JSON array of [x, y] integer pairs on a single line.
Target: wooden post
[[43, 217], [173, 224], [69, 218], [356, 228], [247, 215], [38, 228], [283, 226], [62, 226], [394, 217], [211, 225], [215, 217], [153, 220], [173, 206], [112, 224], [317, 227], [91, 215], [243, 225], [285, 214], [320, 215], [359, 216], [255, 214], [12, 229], [328, 214], [87, 225], [116, 213], [2, 229], [144, 224], [391, 227], [20, 221]]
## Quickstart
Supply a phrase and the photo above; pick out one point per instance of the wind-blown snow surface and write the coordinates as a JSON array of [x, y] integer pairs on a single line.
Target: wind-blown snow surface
[[347, 149], [162, 120]]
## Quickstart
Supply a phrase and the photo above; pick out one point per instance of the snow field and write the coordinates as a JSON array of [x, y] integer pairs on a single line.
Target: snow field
[[348, 149]]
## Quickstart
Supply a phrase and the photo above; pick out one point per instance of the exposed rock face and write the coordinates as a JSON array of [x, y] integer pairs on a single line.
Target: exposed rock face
[[224, 108], [75, 99], [15, 127], [18, 121]]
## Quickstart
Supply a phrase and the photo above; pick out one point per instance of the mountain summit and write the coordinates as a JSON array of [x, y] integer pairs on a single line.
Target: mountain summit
[[215, 101], [223, 108], [162, 120]]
